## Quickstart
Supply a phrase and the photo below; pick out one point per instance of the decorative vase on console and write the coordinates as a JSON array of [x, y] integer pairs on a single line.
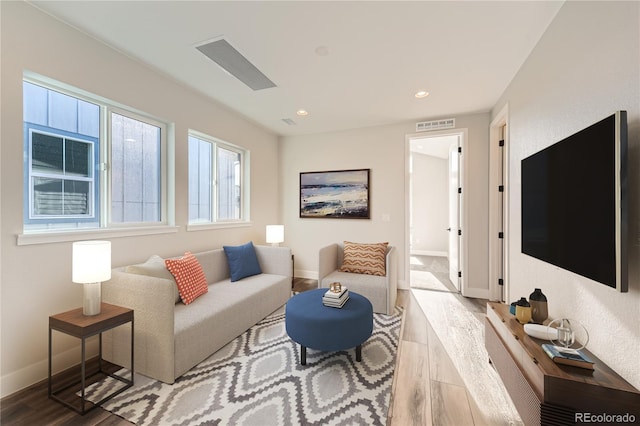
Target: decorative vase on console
[[539, 311], [523, 311]]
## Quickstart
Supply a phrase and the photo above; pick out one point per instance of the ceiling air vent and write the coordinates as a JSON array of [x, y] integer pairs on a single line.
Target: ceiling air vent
[[289, 121], [427, 126], [226, 56]]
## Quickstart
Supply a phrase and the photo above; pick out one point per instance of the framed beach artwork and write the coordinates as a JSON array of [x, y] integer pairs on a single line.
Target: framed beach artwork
[[340, 194]]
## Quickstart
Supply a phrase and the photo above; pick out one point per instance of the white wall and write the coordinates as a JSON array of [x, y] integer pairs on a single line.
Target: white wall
[[36, 279], [430, 205], [585, 67], [383, 150]]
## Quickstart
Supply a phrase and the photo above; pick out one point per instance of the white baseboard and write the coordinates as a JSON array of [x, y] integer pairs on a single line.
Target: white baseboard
[[309, 275], [34, 373], [477, 293]]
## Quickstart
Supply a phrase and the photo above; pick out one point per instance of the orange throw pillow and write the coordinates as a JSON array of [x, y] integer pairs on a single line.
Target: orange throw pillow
[[367, 259], [189, 277]]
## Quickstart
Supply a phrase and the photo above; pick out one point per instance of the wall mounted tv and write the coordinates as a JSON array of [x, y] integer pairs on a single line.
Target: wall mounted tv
[[574, 203]]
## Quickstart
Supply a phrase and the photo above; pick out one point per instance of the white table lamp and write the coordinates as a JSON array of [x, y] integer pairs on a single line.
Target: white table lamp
[[91, 266], [275, 234]]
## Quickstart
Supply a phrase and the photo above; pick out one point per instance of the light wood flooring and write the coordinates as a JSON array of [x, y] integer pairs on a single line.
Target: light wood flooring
[[427, 389]]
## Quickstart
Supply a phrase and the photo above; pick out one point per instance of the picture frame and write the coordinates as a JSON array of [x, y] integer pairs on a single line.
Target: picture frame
[[337, 194]]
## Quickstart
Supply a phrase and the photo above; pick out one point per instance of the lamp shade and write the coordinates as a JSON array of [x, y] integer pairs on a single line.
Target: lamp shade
[[275, 234], [91, 261]]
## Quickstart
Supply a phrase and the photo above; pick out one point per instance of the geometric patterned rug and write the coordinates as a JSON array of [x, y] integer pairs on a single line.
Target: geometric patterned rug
[[257, 379]]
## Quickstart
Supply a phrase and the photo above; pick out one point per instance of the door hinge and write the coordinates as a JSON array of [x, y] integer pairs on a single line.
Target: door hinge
[[501, 188], [459, 231], [501, 142], [500, 234], [459, 274], [500, 281], [459, 190], [459, 150]]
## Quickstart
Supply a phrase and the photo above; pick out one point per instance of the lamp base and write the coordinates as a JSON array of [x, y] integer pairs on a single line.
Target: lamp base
[[91, 299]]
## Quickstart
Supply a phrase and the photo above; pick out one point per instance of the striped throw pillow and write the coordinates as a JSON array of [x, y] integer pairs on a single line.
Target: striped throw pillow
[[364, 258]]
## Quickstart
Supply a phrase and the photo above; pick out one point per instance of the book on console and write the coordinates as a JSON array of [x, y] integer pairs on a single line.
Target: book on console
[[334, 295], [342, 298], [335, 303], [568, 356]]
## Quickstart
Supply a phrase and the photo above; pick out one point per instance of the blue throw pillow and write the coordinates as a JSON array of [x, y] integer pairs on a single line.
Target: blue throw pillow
[[242, 261]]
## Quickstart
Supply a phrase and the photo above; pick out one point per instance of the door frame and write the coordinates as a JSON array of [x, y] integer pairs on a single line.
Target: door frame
[[499, 255], [462, 133]]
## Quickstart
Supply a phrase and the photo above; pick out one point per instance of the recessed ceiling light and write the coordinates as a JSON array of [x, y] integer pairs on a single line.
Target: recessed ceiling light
[[421, 94], [302, 112], [322, 51]]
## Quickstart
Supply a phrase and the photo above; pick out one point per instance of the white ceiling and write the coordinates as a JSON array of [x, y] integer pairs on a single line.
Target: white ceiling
[[379, 53]]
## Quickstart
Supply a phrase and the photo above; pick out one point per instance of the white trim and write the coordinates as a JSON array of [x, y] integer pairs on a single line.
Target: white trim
[[167, 170], [217, 225], [302, 273], [463, 134], [216, 144], [477, 293], [495, 266], [33, 373], [97, 233], [106, 199], [429, 253]]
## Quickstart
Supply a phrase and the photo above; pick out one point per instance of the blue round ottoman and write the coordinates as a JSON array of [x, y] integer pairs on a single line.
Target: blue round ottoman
[[313, 325]]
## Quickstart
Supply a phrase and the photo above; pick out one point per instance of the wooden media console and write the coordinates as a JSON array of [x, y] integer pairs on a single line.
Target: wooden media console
[[546, 393]]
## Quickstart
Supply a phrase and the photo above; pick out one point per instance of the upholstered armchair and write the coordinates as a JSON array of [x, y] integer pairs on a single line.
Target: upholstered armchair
[[381, 290]]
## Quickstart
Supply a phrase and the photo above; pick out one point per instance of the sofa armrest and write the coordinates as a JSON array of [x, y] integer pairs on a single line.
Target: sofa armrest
[[327, 261], [392, 280], [275, 260], [153, 303]]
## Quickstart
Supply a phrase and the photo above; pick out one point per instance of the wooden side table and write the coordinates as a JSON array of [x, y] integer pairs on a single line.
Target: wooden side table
[[75, 323]]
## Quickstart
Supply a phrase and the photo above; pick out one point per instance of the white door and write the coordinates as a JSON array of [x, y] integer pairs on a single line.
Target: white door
[[454, 216]]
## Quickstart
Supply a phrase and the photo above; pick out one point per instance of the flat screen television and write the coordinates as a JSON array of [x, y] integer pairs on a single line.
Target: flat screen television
[[574, 203]]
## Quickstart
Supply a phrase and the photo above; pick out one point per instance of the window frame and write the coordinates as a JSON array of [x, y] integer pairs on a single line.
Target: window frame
[[214, 196], [91, 178], [109, 111], [101, 201]]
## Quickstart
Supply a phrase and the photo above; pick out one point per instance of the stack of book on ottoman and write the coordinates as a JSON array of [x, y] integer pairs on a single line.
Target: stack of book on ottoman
[[336, 299]]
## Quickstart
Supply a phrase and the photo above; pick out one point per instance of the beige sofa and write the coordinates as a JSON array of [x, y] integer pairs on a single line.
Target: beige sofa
[[381, 291], [171, 337]]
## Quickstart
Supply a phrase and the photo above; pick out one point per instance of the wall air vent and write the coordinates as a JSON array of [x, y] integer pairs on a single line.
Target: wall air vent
[[427, 126], [289, 121], [232, 61]]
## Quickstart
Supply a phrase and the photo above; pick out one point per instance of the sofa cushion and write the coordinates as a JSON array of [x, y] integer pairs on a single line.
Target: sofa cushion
[[242, 260], [189, 277], [364, 258], [154, 267]]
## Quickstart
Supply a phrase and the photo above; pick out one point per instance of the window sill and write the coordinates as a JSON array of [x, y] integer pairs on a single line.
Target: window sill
[[76, 235], [220, 225]]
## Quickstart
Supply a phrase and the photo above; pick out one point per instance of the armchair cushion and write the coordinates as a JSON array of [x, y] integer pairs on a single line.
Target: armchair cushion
[[369, 259]]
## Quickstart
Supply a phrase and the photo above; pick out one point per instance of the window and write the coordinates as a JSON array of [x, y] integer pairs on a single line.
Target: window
[[217, 182], [135, 170], [79, 175], [62, 179]]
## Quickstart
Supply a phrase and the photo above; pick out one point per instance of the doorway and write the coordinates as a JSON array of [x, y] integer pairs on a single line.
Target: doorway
[[434, 232]]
